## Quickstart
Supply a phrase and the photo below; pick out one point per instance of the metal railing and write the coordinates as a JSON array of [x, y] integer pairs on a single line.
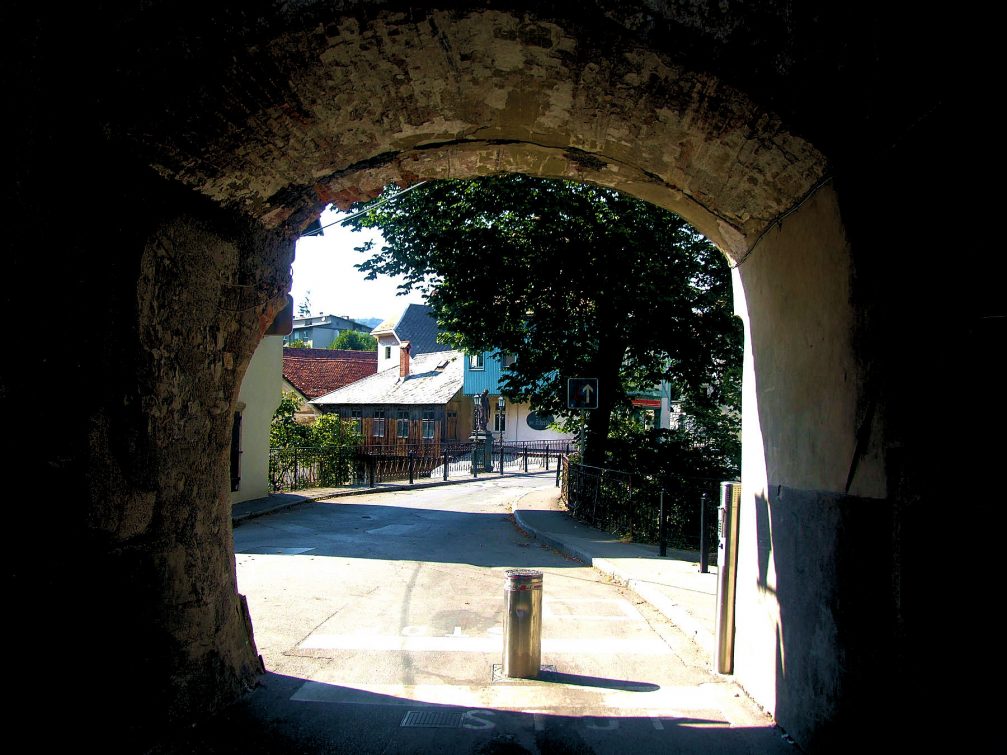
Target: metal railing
[[678, 510], [303, 467], [309, 467]]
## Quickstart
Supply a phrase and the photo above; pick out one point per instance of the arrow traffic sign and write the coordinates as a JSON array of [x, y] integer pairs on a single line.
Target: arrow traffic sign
[[582, 393]]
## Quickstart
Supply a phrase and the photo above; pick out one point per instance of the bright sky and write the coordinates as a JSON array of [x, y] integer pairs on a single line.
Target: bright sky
[[324, 264]]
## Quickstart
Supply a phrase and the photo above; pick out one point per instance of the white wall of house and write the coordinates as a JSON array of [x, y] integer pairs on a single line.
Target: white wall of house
[[389, 344], [257, 400], [517, 427]]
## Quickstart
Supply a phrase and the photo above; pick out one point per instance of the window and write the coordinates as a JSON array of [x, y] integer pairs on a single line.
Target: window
[[500, 421], [402, 425], [507, 360], [476, 362], [357, 418], [388, 352], [428, 425], [378, 426]]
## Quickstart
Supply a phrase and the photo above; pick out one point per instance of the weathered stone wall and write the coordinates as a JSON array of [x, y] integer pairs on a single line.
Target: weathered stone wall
[[122, 565]]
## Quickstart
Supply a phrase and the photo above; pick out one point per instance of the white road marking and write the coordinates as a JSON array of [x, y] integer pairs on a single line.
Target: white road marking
[[474, 719], [672, 702], [461, 644], [552, 609]]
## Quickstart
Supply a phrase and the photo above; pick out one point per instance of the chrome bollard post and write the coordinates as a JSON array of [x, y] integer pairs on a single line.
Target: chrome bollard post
[[522, 651]]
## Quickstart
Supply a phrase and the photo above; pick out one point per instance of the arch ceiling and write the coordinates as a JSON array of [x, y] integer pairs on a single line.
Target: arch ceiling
[[322, 108]]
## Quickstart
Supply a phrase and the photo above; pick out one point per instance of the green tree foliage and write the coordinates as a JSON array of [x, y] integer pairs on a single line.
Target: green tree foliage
[[354, 340], [321, 453], [297, 343], [575, 280], [284, 430]]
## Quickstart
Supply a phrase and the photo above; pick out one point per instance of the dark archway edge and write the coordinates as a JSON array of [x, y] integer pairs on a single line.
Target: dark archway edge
[[902, 128]]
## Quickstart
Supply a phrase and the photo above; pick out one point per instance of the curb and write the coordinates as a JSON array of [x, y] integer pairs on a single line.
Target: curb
[[237, 518], [646, 591]]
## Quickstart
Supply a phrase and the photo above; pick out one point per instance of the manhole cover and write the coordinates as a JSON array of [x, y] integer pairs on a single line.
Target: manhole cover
[[432, 719]]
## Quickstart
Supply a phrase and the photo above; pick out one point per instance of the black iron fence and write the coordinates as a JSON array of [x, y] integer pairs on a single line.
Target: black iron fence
[[678, 511], [299, 468], [309, 467]]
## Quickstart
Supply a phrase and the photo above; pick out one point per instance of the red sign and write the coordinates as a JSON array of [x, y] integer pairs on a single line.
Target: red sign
[[650, 403]]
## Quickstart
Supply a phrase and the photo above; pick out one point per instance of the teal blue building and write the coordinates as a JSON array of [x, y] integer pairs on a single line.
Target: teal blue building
[[509, 421]]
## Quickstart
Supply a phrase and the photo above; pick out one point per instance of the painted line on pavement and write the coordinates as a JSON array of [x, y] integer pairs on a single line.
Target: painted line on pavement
[[670, 702], [461, 644]]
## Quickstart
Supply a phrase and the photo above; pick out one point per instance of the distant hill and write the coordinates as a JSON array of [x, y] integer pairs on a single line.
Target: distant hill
[[370, 322]]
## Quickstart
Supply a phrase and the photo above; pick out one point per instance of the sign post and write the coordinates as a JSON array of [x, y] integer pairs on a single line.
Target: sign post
[[582, 393]]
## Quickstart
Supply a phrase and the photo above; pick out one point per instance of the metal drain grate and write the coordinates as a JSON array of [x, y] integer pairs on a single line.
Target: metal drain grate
[[432, 719]]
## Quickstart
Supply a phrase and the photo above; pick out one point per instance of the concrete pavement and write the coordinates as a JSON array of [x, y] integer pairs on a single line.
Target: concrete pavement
[[380, 620], [673, 585], [273, 502]]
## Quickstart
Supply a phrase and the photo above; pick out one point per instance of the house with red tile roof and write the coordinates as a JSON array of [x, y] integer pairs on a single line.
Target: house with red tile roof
[[316, 372]]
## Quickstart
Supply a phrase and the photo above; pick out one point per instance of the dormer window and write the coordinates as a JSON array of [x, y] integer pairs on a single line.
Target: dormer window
[[476, 362]]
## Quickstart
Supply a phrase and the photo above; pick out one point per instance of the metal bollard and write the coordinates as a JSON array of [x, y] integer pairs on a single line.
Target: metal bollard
[[703, 556], [522, 651]]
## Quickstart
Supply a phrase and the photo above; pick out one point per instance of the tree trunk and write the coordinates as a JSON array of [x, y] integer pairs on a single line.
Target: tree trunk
[[611, 352]]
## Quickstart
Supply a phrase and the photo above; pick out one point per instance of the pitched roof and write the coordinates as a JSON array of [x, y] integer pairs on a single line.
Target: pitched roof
[[417, 325], [387, 326], [323, 321], [315, 372], [433, 379]]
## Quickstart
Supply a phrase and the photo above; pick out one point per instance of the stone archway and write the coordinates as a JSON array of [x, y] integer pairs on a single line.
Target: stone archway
[[215, 138]]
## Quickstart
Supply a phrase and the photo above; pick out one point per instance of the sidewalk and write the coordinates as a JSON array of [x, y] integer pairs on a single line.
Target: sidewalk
[[673, 584]]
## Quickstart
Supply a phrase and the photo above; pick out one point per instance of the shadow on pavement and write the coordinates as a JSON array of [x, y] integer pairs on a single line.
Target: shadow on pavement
[[268, 721], [557, 677], [395, 533]]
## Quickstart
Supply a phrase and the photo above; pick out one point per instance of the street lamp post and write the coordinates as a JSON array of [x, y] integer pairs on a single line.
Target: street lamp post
[[501, 408]]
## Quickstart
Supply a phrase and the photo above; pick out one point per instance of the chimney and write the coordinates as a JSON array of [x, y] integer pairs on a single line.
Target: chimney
[[404, 359]]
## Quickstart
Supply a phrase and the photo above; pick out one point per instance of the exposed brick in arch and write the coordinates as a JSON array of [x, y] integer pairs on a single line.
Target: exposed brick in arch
[[332, 109]]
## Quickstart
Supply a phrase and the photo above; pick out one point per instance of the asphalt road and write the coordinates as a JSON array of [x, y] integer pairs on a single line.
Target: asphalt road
[[379, 619]]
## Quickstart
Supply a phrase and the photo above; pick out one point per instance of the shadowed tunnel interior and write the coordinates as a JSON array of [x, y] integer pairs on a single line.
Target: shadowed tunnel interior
[[164, 158]]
